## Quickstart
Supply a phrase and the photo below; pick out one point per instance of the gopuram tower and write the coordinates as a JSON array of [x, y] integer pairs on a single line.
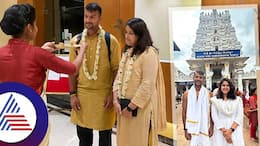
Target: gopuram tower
[[216, 50]]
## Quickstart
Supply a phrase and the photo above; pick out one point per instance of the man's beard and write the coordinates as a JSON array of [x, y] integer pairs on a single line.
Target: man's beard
[[89, 26], [198, 83]]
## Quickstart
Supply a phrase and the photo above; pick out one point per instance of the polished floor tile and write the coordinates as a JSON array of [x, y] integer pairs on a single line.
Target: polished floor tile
[[63, 133]]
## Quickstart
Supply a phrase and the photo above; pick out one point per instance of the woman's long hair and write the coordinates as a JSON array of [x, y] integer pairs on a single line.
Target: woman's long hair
[[231, 94], [141, 31]]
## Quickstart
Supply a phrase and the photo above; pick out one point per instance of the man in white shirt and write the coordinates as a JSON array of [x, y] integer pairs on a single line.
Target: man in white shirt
[[196, 118]]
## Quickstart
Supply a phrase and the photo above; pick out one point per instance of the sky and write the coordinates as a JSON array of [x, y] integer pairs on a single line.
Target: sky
[[185, 22]]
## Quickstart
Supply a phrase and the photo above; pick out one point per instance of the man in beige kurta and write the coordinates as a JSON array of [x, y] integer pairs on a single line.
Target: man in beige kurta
[[91, 99]]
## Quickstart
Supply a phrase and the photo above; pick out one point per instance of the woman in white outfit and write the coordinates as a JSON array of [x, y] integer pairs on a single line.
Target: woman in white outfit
[[227, 115]]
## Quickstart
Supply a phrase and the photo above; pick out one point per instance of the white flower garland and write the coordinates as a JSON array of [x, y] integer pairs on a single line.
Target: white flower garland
[[122, 81], [93, 76]]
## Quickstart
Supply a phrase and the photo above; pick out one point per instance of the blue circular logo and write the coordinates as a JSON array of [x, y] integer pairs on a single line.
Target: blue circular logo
[[23, 115]]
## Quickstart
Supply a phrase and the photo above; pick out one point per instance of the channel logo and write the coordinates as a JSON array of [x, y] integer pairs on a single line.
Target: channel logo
[[17, 117], [23, 116]]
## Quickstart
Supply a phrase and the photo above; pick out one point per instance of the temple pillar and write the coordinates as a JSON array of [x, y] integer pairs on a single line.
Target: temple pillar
[[225, 72], [239, 79], [247, 88], [208, 76]]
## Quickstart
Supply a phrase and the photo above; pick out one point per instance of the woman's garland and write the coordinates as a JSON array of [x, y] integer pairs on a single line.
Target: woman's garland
[[92, 76], [123, 79]]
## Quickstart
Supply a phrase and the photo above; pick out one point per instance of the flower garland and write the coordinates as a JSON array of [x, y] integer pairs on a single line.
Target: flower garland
[[122, 81], [92, 76]]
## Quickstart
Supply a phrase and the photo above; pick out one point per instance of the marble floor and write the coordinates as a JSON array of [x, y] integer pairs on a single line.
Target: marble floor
[[63, 133]]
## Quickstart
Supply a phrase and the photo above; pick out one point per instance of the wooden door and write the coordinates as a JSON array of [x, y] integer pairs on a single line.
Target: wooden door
[[166, 67], [114, 16], [228, 2], [115, 13], [39, 7], [126, 12]]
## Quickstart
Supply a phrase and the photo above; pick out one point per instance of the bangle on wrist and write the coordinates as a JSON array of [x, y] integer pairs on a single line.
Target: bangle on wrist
[[129, 109], [71, 95]]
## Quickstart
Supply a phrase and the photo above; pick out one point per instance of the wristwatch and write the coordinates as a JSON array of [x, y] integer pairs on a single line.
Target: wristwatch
[[129, 109], [73, 92]]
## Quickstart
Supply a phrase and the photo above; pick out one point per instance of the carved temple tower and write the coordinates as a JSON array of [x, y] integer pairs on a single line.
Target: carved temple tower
[[216, 50]]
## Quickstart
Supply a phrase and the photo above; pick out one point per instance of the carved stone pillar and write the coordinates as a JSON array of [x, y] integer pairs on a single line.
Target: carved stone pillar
[[239, 79], [208, 76], [225, 72]]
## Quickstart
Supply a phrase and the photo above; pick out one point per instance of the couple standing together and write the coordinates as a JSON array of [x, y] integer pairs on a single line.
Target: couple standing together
[[104, 82], [220, 116]]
